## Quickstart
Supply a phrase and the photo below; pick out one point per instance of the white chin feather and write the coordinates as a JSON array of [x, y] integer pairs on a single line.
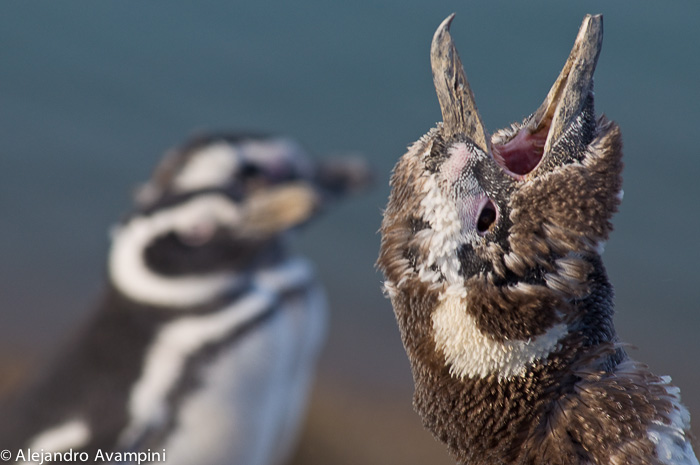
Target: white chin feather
[[473, 354]]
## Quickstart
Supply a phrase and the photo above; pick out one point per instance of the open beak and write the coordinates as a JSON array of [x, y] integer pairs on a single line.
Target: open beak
[[529, 152], [569, 94], [459, 113]]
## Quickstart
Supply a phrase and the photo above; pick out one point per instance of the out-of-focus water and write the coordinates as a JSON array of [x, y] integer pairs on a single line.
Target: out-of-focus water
[[92, 93]]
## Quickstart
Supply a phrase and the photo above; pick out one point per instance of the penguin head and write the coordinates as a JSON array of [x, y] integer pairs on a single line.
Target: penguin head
[[216, 206], [486, 241]]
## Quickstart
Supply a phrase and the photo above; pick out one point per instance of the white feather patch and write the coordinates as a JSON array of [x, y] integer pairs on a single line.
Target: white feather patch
[[473, 354], [600, 247], [212, 166], [672, 445], [452, 220], [72, 434], [132, 276], [444, 236]]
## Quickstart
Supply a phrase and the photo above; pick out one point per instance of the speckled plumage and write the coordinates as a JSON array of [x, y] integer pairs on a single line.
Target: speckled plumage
[[491, 256]]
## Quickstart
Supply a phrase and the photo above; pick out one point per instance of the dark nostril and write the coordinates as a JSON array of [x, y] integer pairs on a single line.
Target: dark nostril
[[487, 217]]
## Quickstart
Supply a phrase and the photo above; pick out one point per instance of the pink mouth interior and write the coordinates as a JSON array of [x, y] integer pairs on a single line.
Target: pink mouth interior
[[522, 153]]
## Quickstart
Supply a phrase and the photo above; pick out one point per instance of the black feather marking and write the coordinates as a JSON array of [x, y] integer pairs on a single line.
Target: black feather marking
[[168, 255], [418, 224], [469, 263]]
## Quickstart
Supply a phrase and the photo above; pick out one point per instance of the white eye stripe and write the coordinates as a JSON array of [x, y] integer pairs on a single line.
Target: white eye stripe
[[212, 166], [217, 164]]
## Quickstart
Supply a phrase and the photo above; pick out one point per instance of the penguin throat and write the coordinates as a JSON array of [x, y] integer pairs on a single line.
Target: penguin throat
[[522, 153], [470, 353]]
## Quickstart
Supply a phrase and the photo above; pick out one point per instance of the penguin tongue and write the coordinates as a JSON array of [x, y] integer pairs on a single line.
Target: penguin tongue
[[522, 153]]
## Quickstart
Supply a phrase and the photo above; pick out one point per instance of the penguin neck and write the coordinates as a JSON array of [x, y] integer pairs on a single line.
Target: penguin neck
[[275, 267], [131, 275], [495, 419]]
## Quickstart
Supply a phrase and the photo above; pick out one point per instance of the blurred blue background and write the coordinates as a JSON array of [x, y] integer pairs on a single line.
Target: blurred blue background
[[92, 93]]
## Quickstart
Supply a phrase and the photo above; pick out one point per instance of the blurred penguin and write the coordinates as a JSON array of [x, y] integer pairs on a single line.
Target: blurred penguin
[[204, 344]]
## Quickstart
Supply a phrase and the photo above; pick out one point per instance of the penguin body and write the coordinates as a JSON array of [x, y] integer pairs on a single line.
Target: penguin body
[[491, 252], [204, 344]]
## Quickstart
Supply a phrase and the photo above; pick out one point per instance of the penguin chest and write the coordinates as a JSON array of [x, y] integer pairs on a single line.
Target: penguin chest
[[248, 397]]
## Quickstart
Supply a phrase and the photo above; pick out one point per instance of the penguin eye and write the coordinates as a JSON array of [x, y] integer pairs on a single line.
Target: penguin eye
[[487, 217], [251, 171]]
